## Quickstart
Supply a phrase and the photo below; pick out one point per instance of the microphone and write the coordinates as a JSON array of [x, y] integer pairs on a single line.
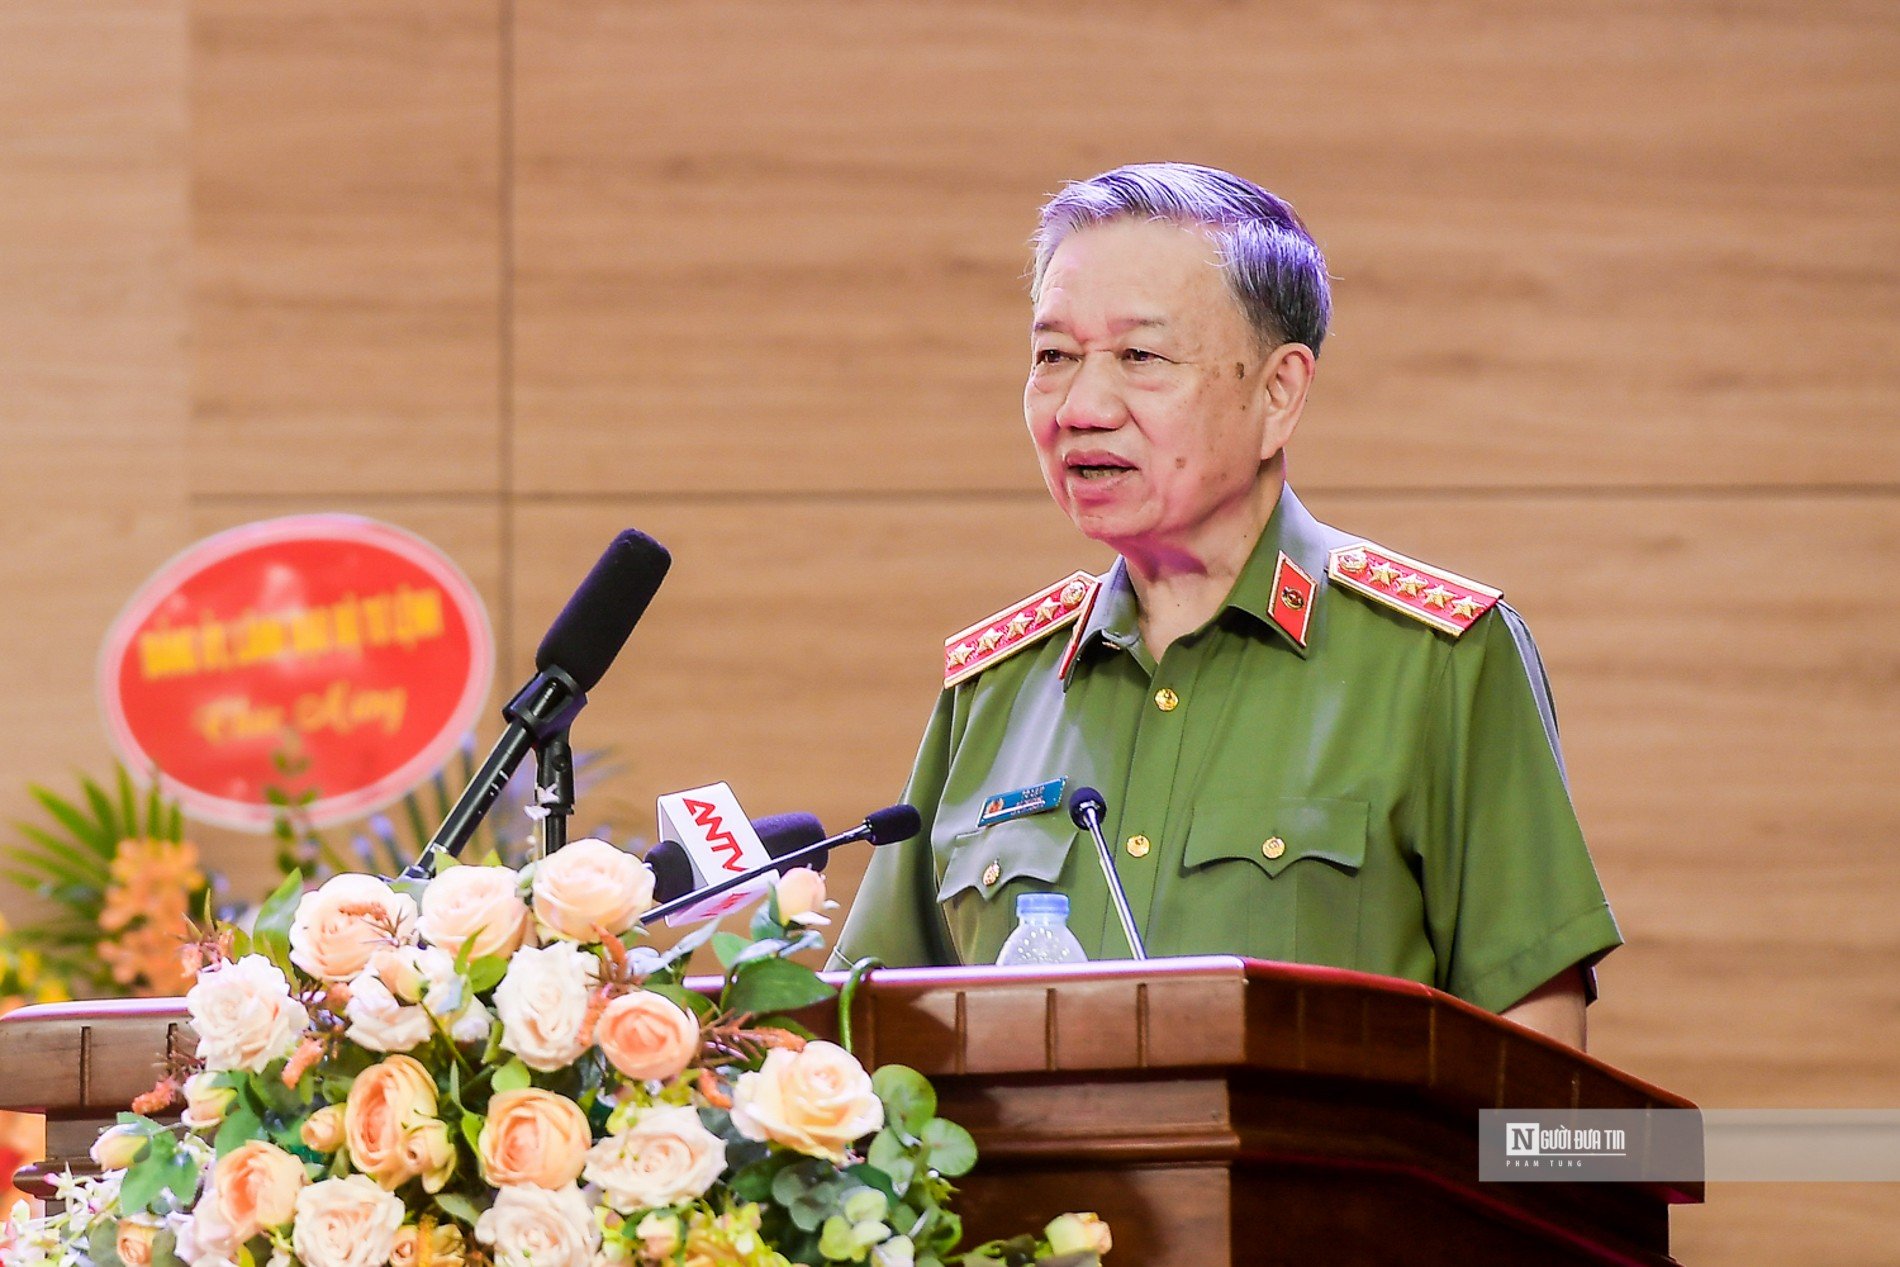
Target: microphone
[[675, 876], [887, 826], [579, 646], [1086, 808]]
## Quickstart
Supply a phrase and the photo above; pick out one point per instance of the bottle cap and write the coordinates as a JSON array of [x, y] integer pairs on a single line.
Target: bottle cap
[[1042, 904]]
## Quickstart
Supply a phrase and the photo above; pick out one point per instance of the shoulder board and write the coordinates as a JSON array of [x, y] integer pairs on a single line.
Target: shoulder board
[[1019, 625], [1444, 600]]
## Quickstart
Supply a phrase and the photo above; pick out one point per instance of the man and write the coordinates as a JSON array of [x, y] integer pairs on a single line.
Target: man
[[1313, 748]]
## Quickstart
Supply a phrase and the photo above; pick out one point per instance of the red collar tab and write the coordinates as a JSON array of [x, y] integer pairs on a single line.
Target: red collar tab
[[1292, 604]]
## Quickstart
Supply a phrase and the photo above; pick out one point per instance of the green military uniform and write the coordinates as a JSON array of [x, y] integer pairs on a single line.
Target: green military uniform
[[1353, 763]]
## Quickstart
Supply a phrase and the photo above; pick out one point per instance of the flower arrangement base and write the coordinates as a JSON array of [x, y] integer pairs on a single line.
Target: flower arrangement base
[[1214, 1110]]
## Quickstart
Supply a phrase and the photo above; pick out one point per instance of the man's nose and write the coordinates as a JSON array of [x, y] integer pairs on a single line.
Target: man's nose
[[1094, 399]]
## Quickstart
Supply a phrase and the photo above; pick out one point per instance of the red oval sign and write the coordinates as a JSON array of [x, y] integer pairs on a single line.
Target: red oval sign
[[353, 644]]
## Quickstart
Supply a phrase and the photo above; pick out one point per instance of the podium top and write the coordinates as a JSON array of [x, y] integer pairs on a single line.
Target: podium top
[[73, 1060]]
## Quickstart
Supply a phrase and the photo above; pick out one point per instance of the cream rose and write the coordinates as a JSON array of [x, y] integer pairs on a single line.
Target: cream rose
[[445, 1247], [588, 888], [538, 1227], [244, 1015], [256, 1185], [346, 1222], [388, 1103], [207, 1100], [339, 926], [667, 1157], [135, 1242], [381, 1022], [647, 1035], [542, 1002], [533, 1137], [1078, 1234], [117, 1147], [801, 898], [659, 1236], [400, 988], [815, 1101], [323, 1130], [475, 904], [204, 1238]]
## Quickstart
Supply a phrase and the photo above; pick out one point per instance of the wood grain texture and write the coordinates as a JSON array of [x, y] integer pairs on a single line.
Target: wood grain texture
[[93, 382], [346, 215], [760, 242]]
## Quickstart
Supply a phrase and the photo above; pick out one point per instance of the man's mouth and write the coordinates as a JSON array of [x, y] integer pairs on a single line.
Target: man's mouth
[[1096, 466]]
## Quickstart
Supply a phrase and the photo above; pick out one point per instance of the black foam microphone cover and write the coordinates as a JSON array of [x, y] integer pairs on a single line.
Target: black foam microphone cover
[[779, 833], [894, 823], [591, 629], [1081, 801]]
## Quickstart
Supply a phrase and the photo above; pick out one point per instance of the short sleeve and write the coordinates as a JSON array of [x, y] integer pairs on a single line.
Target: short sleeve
[[894, 917], [1511, 895]]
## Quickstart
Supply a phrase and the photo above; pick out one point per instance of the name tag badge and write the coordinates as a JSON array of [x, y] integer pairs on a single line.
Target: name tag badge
[[1023, 802]]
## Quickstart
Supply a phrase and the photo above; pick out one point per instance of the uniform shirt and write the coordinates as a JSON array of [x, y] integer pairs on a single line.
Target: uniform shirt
[[1387, 797]]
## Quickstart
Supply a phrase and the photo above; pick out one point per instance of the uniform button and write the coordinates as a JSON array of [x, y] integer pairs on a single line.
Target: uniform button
[[991, 873], [1138, 846], [1165, 700], [1274, 847]]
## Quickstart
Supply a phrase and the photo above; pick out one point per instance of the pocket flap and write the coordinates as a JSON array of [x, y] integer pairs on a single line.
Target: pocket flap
[[988, 858], [1276, 833]]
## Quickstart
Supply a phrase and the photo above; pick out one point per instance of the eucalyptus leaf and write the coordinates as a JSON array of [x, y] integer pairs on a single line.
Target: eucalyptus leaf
[[889, 1155], [774, 985], [952, 1151], [909, 1099]]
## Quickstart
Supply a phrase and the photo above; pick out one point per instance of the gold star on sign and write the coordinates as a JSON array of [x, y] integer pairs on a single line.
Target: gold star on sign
[[1019, 624], [1411, 583], [1464, 607], [1383, 573], [1437, 596]]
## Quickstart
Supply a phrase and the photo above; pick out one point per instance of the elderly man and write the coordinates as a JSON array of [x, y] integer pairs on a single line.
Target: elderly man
[[1313, 748]]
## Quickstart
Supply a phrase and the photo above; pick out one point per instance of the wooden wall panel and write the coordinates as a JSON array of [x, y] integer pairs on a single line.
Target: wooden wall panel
[[777, 246], [93, 381], [347, 224]]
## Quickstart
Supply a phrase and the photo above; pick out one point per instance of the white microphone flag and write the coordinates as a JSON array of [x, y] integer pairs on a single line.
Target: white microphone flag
[[719, 840]]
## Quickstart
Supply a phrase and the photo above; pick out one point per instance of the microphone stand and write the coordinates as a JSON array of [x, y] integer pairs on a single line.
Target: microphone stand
[[554, 788], [863, 831], [1092, 817]]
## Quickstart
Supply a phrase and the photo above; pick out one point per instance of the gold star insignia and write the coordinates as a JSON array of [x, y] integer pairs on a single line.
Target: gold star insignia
[[1019, 624], [1464, 607], [1437, 596], [1048, 609], [1354, 562], [961, 655], [1410, 584], [989, 640], [1383, 573]]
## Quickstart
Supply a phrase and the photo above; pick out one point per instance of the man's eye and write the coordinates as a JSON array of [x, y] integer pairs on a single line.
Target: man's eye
[[1139, 355], [1050, 356]]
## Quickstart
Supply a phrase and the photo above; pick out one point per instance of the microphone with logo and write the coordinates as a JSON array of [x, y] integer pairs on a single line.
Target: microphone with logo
[[1086, 808], [887, 826], [573, 657]]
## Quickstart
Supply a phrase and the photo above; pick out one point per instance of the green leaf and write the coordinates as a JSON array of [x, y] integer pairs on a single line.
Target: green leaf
[[102, 1244], [240, 1125], [84, 830], [472, 1131], [774, 985], [102, 811], [513, 1076], [889, 1155], [952, 1151], [692, 1000], [728, 947], [63, 864], [485, 974], [271, 930], [457, 1206], [909, 1099], [129, 804]]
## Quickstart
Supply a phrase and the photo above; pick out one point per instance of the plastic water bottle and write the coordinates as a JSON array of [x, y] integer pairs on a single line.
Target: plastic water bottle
[[1042, 932]]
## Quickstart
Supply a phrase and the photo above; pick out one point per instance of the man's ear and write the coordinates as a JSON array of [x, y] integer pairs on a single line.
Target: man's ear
[[1285, 378]]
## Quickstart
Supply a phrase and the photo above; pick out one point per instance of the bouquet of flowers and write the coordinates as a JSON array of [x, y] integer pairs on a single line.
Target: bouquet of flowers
[[484, 1072]]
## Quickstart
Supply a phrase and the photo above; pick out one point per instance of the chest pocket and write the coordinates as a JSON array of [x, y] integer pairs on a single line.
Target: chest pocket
[[1284, 869], [988, 867]]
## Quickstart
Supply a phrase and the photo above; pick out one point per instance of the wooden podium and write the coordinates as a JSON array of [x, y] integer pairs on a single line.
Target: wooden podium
[[1216, 1110]]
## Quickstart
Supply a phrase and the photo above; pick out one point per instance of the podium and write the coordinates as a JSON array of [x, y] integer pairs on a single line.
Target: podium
[[1215, 1110]]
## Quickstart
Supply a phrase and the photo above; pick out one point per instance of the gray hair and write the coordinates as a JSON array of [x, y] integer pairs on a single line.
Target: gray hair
[[1271, 263]]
